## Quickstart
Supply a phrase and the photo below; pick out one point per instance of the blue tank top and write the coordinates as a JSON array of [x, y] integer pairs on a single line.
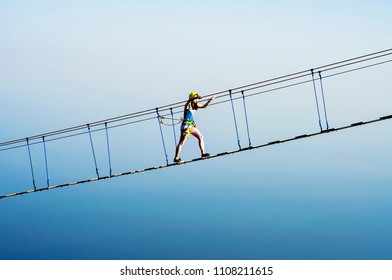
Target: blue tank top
[[189, 114], [189, 119]]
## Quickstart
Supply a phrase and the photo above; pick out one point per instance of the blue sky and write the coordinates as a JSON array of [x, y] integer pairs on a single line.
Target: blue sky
[[67, 63]]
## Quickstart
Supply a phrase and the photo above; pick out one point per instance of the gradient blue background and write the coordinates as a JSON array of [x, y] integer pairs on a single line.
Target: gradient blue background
[[66, 63]]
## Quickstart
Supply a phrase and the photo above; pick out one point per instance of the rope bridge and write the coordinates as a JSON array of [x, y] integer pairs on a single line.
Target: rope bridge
[[167, 112]]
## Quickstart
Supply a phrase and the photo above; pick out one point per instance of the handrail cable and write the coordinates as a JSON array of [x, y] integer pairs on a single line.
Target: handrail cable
[[9, 143], [220, 94]]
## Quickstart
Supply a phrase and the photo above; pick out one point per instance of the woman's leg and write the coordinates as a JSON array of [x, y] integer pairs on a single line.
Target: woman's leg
[[195, 132], [180, 144]]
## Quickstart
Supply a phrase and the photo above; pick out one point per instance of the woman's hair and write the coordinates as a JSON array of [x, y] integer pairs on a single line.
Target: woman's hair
[[194, 105]]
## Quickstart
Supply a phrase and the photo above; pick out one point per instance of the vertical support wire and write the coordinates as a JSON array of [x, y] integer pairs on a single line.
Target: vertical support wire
[[46, 161], [31, 163], [108, 146], [173, 125], [92, 149], [322, 93], [246, 118], [163, 139], [317, 104], [235, 120]]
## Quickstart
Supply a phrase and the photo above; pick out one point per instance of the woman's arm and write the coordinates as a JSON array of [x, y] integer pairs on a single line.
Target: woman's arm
[[205, 105]]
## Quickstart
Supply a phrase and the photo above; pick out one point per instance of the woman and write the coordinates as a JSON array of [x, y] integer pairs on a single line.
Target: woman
[[188, 125]]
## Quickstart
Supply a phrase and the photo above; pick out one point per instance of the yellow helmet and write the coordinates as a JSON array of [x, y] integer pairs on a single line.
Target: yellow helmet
[[193, 94]]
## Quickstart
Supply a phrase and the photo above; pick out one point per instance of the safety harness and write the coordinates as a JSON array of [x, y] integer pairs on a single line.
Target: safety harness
[[190, 124]]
